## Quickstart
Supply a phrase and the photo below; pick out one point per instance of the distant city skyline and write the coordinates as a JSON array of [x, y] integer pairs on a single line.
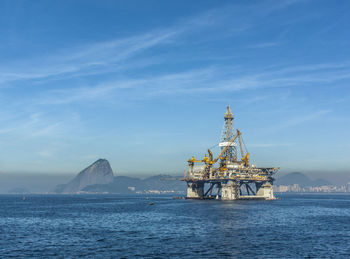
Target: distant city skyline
[[145, 84]]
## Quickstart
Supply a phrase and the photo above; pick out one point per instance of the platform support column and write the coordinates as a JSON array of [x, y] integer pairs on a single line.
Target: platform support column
[[230, 190], [265, 190], [195, 190]]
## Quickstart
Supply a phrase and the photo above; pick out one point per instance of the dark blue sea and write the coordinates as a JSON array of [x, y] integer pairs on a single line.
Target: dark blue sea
[[112, 226]]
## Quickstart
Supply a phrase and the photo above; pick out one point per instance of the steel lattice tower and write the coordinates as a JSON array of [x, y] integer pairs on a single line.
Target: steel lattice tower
[[227, 135]]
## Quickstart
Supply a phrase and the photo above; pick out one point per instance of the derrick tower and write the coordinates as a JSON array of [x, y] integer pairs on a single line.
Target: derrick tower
[[227, 135]]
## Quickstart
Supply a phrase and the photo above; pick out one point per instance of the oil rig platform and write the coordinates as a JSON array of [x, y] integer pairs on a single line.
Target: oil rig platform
[[226, 177]]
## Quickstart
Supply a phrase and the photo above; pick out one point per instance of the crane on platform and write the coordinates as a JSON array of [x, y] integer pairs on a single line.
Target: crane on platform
[[193, 160], [245, 156], [209, 161]]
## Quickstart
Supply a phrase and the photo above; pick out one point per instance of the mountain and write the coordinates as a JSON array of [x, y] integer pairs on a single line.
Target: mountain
[[99, 178], [301, 179], [100, 172]]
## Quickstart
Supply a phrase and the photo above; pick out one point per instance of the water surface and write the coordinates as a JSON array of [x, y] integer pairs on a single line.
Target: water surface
[[104, 226]]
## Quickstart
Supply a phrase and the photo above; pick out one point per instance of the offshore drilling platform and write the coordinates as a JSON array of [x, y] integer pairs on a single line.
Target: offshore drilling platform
[[226, 177]]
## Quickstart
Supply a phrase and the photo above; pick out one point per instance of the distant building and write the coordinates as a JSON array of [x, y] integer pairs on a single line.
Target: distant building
[[348, 187], [324, 188], [295, 188], [282, 188]]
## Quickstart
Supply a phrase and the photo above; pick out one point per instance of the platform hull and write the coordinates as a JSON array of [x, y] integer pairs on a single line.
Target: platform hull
[[229, 190]]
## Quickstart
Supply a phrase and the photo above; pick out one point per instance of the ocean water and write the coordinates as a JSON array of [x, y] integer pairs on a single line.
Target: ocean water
[[112, 226]]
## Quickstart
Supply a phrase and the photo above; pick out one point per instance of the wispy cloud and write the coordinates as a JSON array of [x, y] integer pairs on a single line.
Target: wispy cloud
[[110, 55], [97, 57], [85, 58], [264, 45], [297, 120], [267, 145], [211, 80], [36, 125]]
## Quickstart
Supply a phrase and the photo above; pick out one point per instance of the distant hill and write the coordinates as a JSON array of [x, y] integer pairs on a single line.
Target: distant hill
[[19, 190], [301, 179], [120, 185], [128, 185], [100, 172]]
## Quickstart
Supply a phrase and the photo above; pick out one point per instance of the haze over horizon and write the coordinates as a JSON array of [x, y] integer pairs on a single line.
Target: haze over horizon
[[146, 84]]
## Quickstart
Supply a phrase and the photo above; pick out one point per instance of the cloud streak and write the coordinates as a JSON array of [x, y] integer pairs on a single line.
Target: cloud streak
[[92, 57], [201, 81], [110, 55]]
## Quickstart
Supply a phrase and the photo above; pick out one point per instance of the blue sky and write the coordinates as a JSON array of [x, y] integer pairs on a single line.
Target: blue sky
[[145, 84]]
